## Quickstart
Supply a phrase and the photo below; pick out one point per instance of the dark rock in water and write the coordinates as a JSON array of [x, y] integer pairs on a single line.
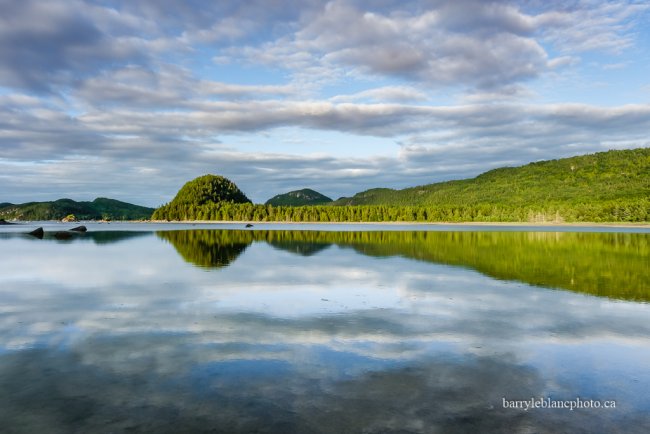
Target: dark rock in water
[[62, 235], [79, 229], [248, 225], [5, 222], [38, 233]]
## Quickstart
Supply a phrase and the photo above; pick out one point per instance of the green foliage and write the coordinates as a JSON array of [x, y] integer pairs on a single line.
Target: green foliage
[[200, 194], [98, 209], [602, 177], [602, 264], [209, 189], [609, 186], [302, 197], [207, 248], [629, 210]]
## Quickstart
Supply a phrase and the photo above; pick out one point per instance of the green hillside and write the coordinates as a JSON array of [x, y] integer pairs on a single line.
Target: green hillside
[[613, 176], [611, 186], [203, 191], [98, 209], [306, 196]]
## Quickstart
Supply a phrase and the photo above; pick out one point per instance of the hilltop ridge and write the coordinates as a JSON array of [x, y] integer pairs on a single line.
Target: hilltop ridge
[[604, 176], [101, 208], [306, 196]]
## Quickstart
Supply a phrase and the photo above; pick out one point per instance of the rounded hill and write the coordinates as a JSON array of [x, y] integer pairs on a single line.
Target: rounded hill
[[306, 196], [204, 190], [209, 189]]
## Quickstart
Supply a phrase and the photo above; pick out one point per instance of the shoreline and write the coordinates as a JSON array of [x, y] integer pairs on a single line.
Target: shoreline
[[548, 224], [644, 225]]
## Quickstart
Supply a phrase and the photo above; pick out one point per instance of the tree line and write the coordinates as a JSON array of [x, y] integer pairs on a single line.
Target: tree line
[[622, 210]]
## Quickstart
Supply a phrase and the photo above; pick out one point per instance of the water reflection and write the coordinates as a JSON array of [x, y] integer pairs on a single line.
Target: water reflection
[[603, 264], [358, 337], [100, 237], [208, 248], [60, 392]]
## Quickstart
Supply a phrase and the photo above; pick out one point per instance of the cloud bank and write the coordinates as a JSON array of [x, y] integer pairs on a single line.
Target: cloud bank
[[131, 100]]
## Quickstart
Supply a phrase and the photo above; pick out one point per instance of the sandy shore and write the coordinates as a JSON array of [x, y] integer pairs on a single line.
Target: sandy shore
[[642, 225], [541, 224]]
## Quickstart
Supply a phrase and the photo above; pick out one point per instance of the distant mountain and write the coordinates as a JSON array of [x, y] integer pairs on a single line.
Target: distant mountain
[[99, 209], [302, 197], [613, 177]]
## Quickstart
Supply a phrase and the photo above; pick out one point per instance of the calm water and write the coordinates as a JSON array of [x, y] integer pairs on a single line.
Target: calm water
[[352, 330]]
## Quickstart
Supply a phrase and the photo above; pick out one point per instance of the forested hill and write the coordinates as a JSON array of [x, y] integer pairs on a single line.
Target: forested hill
[[306, 196], [99, 209], [613, 176], [611, 186]]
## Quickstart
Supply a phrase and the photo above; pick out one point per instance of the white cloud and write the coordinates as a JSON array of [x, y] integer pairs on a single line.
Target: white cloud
[[400, 94], [592, 25], [97, 89]]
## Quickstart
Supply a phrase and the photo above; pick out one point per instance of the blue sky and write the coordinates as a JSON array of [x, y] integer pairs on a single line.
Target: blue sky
[[130, 100]]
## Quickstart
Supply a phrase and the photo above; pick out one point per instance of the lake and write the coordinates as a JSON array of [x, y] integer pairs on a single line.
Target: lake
[[324, 329]]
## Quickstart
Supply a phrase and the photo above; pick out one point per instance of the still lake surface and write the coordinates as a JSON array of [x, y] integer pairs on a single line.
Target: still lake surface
[[323, 328]]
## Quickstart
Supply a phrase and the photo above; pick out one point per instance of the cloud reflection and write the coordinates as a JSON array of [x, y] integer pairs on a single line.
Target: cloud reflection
[[335, 341], [58, 392]]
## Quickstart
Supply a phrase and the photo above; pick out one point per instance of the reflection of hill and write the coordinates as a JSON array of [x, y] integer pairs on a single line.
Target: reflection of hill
[[604, 264], [208, 248], [300, 248]]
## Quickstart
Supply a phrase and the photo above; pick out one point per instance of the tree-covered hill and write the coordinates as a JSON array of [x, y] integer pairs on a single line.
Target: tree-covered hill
[[306, 196], [202, 191], [602, 177], [611, 186], [99, 209]]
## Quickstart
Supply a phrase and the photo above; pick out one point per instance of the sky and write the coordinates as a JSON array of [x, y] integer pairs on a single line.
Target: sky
[[131, 99]]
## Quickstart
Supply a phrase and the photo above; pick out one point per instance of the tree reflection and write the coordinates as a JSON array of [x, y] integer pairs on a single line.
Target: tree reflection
[[603, 264], [208, 248]]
